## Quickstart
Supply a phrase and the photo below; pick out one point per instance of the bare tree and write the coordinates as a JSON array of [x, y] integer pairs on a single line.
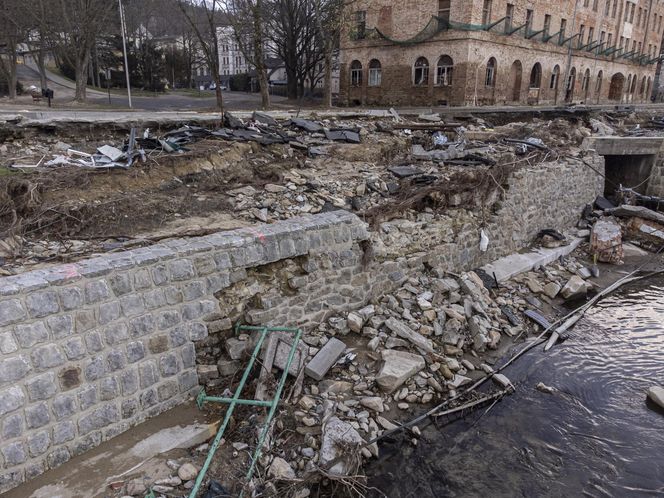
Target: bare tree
[[78, 24], [330, 17], [204, 17], [12, 33], [247, 18]]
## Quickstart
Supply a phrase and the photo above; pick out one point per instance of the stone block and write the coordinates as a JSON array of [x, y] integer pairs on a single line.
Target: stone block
[[87, 397], [167, 319], [71, 298], [141, 325], [168, 364], [116, 333], [47, 356], [69, 377], [94, 369], [11, 399], [129, 408], [193, 290], [12, 426], [57, 457], [116, 360], [7, 343], [132, 305], [142, 279], [197, 331], [93, 342], [13, 369], [29, 335], [64, 406], [60, 326], [181, 269], [148, 373], [398, 367], [135, 351], [187, 380], [41, 304], [74, 348], [108, 388], [121, 284], [160, 275], [167, 390], [37, 415], [38, 443], [85, 320], [154, 299], [158, 344], [109, 312], [41, 387], [188, 354], [129, 382], [98, 418], [148, 398], [14, 453], [96, 291], [11, 311], [325, 359]]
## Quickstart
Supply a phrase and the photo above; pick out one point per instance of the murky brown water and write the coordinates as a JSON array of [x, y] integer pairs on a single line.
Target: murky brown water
[[595, 437]]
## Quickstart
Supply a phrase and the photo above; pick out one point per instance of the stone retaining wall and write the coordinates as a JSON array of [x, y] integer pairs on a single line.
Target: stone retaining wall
[[90, 349]]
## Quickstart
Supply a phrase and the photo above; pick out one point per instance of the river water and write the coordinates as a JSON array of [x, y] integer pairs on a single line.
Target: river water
[[596, 436]]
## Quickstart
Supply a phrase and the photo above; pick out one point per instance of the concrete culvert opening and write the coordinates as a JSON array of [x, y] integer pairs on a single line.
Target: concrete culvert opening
[[630, 171]]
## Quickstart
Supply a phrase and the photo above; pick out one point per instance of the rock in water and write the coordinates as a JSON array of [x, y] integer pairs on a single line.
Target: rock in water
[[606, 241], [399, 366], [656, 394], [575, 287], [340, 441]]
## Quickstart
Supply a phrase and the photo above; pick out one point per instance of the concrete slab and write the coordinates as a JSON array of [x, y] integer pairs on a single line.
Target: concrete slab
[[510, 266], [138, 450], [325, 358]]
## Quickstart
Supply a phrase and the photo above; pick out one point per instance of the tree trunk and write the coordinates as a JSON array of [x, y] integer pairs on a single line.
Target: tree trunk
[[291, 76], [13, 78], [41, 65], [81, 77], [259, 56], [327, 95], [220, 97]]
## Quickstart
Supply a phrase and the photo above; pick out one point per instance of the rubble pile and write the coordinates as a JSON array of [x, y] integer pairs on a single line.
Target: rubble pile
[[387, 361]]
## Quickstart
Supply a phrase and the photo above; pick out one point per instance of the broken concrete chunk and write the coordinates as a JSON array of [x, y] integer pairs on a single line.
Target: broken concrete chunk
[[227, 367], [398, 367], [575, 287], [502, 381], [355, 322], [339, 447], [552, 289], [278, 350], [656, 394], [318, 367], [405, 332], [235, 348]]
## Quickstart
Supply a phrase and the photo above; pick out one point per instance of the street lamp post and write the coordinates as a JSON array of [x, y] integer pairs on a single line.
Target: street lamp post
[[124, 50]]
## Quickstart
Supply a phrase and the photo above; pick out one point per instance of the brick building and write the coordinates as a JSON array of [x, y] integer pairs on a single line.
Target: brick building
[[484, 52]]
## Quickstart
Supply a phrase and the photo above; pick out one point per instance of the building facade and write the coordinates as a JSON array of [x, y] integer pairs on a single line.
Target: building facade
[[495, 52]]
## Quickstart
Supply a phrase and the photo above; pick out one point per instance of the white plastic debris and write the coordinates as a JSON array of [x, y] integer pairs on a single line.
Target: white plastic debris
[[484, 241]]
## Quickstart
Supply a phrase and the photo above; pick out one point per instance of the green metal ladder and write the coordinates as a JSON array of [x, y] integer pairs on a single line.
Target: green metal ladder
[[235, 400]]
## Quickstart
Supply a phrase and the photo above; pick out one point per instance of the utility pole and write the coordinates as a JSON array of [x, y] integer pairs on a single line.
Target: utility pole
[[124, 49]]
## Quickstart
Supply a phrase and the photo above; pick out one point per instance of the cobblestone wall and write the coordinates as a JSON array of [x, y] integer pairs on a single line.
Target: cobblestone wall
[[90, 349]]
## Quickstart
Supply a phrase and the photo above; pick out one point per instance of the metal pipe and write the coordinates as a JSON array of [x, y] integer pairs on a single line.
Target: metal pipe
[[273, 409], [250, 402], [124, 49], [229, 412]]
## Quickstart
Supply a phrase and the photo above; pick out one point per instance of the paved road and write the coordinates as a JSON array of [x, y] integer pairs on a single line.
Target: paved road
[[64, 90]]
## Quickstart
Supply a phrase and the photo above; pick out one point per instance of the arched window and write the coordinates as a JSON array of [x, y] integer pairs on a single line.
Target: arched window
[[649, 88], [598, 84], [585, 82], [356, 73], [490, 79], [536, 76], [555, 75], [642, 90], [375, 73], [633, 89], [421, 72], [444, 71]]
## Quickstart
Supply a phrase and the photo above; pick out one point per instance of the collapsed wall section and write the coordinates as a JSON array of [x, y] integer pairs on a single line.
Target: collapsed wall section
[[90, 349]]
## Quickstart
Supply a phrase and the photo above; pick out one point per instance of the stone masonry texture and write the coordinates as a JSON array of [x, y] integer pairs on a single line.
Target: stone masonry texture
[[90, 349]]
